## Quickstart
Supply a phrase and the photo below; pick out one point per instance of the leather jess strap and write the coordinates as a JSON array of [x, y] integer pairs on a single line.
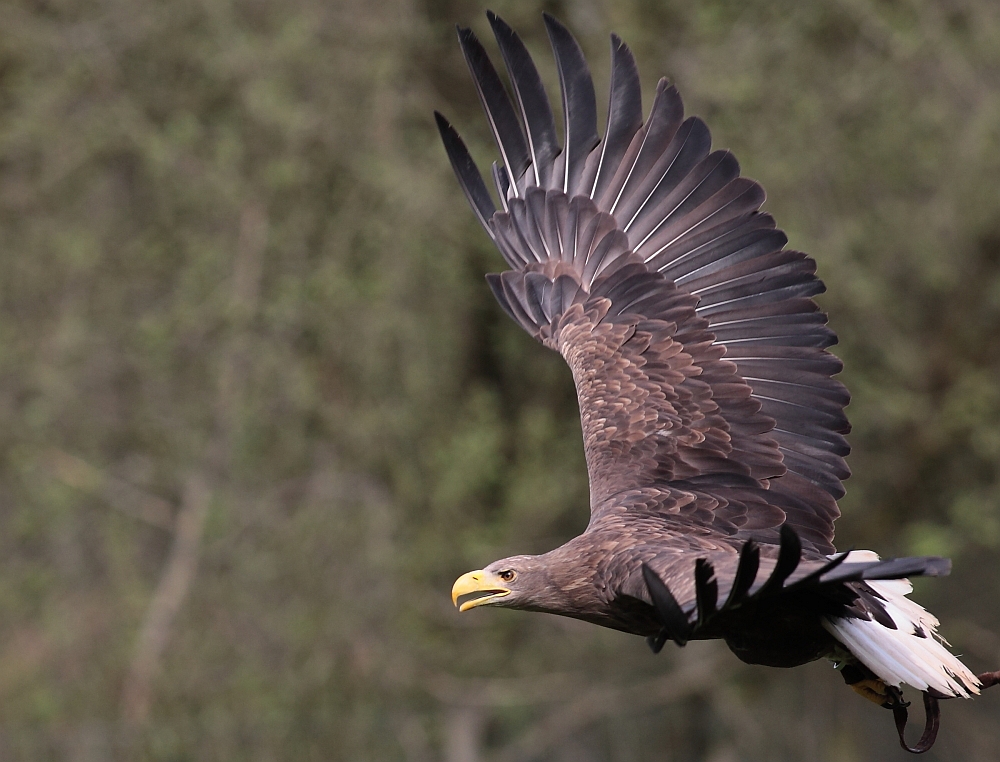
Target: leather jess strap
[[933, 715]]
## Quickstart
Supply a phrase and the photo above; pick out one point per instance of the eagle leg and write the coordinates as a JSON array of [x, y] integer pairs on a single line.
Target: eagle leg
[[878, 692], [873, 690], [865, 683]]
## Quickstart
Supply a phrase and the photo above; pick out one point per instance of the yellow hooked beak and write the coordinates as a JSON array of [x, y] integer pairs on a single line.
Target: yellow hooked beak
[[484, 586]]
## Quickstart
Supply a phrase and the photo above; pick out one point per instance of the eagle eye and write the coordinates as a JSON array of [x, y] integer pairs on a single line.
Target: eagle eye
[[506, 575]]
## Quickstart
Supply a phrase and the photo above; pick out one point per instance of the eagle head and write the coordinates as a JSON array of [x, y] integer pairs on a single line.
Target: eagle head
[[518, 582]]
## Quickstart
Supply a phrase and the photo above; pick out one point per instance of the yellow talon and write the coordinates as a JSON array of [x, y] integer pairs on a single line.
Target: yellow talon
[[874, 690]]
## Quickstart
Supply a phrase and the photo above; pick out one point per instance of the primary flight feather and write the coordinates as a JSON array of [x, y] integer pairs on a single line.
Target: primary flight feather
[[713, 427]]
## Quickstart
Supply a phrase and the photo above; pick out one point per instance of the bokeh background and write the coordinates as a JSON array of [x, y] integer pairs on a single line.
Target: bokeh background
[[258, 409]]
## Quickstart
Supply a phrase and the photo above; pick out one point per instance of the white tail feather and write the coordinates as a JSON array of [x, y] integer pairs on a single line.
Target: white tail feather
[[913, 653]]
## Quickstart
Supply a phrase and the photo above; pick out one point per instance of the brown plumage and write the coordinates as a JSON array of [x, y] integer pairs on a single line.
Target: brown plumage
[[712, 424]]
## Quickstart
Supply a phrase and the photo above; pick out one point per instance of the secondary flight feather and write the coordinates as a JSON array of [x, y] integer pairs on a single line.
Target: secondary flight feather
[[713, 426]]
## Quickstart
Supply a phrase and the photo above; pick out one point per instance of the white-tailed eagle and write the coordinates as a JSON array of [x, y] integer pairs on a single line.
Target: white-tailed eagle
[[713, 426]]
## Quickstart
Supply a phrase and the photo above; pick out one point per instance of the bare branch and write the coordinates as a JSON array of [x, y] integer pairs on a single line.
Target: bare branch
[[463, 730], [174, 585], [167, 600]]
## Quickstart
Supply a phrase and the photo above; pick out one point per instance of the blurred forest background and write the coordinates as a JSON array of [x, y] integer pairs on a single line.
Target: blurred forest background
[[258, 408]]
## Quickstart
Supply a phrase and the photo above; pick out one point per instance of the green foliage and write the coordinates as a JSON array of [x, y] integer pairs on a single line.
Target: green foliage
[[233, 254]]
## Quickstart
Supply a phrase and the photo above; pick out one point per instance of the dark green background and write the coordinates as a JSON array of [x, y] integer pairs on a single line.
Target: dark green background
[[256, 401]]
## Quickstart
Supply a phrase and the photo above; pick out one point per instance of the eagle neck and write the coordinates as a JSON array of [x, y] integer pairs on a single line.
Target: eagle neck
[[575, 582]]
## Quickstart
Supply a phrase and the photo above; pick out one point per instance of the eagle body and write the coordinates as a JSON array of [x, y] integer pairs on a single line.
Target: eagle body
[[597, 577], [713, 427], [590, 577]]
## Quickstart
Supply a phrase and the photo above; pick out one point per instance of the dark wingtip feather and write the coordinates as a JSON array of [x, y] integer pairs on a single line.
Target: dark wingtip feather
[[789, 555], [706, 590], [656, 643], [624, 113], [675, 621], [502, 181], [578, 99], [789, 551], [746, 573], [500, 113], [467, 172], [536, 111]]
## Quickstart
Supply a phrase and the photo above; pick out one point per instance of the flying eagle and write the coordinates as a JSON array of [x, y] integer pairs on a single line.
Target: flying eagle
[[712, 423]]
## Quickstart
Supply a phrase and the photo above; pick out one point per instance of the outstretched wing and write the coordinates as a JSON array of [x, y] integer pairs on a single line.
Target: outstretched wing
[[699, 357]]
